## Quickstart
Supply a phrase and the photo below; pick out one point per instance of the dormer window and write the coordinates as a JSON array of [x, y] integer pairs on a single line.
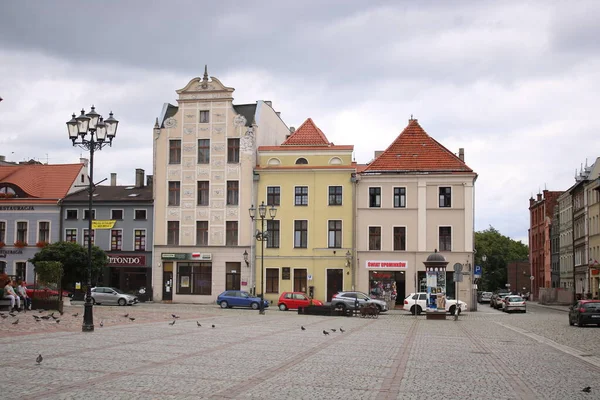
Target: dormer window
[[302, 160], [7, 191]]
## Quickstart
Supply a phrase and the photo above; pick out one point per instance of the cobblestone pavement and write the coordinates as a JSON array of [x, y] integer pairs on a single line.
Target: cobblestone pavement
[[484, 354]]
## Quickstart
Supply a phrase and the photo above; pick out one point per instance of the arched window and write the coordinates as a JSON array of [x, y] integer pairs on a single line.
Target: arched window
[[7, 191], [273, 161], [301, 160], [335, 161]]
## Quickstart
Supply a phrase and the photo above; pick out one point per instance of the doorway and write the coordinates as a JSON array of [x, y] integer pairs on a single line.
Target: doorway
[[335, 281], [167, 294], [389, 286], [233, 275]]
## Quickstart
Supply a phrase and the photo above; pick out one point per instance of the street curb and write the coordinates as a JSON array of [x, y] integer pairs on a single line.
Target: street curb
[[551, 307]]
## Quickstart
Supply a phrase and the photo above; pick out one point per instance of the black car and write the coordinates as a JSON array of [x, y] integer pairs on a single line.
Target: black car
[[585, 312]]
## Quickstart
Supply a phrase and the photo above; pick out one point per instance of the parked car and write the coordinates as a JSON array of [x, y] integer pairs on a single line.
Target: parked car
[[293, 300], [496, 300], [42, 291], [239, 298], [514, 303], [347, 300], [585, 312], [417, 302], [111, 295], [484, 297]]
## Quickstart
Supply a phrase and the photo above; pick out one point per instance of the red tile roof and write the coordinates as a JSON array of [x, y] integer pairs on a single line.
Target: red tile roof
[[308, 134], [415, 150], [299, 148], [41, 181]]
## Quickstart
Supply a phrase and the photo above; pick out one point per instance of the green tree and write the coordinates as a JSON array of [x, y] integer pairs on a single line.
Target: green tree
[[499, 250], [74, 258]]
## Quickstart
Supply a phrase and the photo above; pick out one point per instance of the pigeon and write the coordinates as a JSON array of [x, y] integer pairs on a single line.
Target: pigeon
[[333, 330], [213, 326], [303, 328], [325, 332], [60, 312], [12, 314], [342, 331], [41, 310], [174, 316], [131, 319], [587, 389], [101, 324], [172, 323], [45, 317], [39, 359], [51, 314], [76, 314], [126, 315], [198, 323], [58, 321], [16, 322], [53, 317], [4, 316]]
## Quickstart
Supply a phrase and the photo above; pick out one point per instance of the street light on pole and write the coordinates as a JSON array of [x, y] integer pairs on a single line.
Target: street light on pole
[[261, 236], [91, 132]]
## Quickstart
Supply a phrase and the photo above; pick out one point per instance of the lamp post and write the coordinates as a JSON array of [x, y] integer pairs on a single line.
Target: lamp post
[[261, 236], [91, 132]]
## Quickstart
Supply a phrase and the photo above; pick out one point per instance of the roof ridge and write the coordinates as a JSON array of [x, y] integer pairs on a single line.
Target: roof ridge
[[307, 134]]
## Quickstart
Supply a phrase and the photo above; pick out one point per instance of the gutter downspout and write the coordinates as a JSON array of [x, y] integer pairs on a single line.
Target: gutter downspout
[[354, 224]]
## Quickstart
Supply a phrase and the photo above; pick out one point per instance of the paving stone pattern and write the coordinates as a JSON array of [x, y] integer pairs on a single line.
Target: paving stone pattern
[[485, 354]]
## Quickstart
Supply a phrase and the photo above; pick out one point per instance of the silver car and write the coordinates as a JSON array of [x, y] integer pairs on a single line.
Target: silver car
[[348, 299], [110, 295]]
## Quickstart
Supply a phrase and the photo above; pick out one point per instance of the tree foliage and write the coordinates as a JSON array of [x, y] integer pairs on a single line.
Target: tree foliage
[[74, 258], [499, 250], [49, 271]]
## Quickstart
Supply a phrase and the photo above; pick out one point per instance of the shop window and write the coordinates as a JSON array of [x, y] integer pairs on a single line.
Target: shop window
[[194, 278], [272, 285]]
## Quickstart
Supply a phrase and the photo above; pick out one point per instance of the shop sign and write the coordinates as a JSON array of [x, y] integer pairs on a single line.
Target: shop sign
[[103, 224], [17, 208], [174, 256], [124, 260], [12, 251], [387, 264], [202, 256]]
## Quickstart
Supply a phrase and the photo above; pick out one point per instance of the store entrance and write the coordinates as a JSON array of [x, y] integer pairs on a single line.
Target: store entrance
[[389, 286]]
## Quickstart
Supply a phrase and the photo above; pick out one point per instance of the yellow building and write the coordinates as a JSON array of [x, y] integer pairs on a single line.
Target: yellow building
[[309, 244]]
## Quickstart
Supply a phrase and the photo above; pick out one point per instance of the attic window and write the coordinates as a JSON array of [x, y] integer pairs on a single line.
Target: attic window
[[335, 161], [302, 160], [133, 195], [6, 191], [274, 161]]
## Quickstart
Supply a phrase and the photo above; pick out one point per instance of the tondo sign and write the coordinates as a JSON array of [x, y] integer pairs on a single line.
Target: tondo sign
[[126, 260], [386, 264]]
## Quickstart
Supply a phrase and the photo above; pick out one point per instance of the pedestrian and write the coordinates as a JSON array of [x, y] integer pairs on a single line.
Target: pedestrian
[[22, 292], [9, 293]]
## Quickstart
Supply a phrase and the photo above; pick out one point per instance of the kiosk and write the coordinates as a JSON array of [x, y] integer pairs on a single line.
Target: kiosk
[[435, 267]]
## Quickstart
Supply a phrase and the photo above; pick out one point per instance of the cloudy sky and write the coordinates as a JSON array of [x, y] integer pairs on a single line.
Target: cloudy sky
[[517, 84]]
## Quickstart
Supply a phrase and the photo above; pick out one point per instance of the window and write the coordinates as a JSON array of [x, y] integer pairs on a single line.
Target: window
[[301, 161], [140, 215], [335, 234], [273, 196], [445, 197], [116, 214], [2, 267], [374, 197], [300, 279], [71, 214], [44, 232], [86, 214], [335, 195], [194, 278], [272, 280], [173, 232], [300, 234], [203, 151], [273, 231], [201, 233], [21, 232], [203, 187], [374, 238], [71, 235], [174, 193], [2, 231], [233, 151], [139, 240], [231, 233], [399, 197], [400, 238], [116, 239], [174, 151], [233, 191], [445, 238], [301, 195], [204, 116], [21, 271], [86, 237]]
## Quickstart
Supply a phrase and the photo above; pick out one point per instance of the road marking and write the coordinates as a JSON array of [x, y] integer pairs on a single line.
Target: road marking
[[593, 360]]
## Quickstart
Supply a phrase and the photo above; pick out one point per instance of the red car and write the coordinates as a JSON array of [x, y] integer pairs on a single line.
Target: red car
[[45, 291], [293, 300]]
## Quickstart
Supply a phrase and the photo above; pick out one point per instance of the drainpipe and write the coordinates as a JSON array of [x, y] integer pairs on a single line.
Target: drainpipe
[[354, 267]]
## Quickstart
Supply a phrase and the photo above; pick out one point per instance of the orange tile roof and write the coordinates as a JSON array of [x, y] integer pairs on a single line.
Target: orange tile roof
[[41, 181], [415, 150], [297, 148], [308, 134]]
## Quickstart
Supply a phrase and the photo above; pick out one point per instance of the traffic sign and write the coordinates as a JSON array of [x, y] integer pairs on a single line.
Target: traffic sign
[[477, 272], [458, 267], [458, 277]]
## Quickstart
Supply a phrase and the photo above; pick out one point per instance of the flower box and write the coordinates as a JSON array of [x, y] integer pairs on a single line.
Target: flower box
[[41, 244], [20, 244], [2, 244]]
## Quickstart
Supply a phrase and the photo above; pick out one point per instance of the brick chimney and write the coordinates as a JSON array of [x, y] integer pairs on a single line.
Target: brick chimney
[[461, 154], [149, 180], [113, 179], [139, 177], [539, 197]]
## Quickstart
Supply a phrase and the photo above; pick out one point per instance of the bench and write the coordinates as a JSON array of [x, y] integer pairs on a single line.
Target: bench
[[4, 304]]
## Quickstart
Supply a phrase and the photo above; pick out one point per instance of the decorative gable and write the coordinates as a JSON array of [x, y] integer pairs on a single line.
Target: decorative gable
[[205, 89]]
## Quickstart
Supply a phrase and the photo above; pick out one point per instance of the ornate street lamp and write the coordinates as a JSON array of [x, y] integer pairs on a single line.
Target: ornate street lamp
[[261, 236], [101, 133]]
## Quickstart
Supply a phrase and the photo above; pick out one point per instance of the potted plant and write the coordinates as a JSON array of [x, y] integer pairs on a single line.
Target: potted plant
[[41, 244], [20, 244], [2, 244]]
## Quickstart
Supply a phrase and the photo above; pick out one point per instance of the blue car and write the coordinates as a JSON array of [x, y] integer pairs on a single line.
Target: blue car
[[239, 298]]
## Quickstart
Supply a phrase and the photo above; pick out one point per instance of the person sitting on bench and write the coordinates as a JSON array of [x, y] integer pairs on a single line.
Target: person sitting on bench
[[22, 292], [9, 293]]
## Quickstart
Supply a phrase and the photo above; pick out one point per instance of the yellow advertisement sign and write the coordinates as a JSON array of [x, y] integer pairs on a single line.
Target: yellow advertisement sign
[[99, 224]]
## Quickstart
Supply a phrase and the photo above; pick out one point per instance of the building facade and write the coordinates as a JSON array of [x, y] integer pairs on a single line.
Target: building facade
[[565, 209], [592, 194], [555, 247], [204, 154], [124, 218], [518, 273], [310, 242], [580, 250], [413, 198], [29, 211]]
